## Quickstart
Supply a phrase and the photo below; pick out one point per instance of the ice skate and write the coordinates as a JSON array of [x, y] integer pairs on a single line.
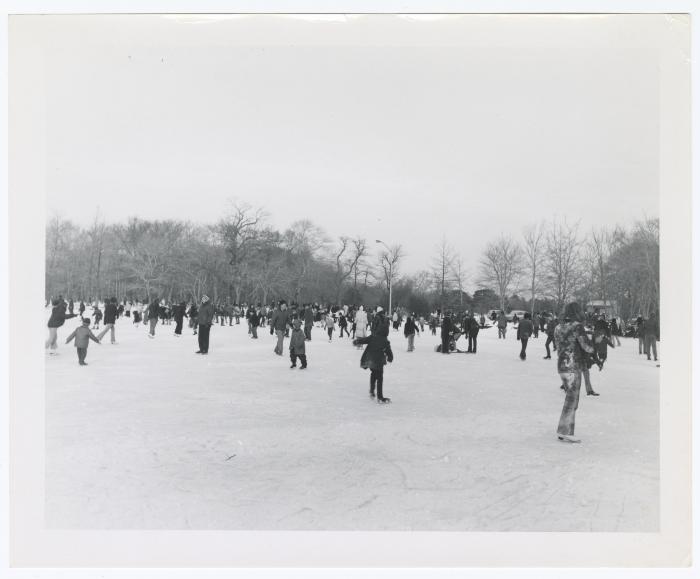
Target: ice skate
[[568, 438], [384, 400]]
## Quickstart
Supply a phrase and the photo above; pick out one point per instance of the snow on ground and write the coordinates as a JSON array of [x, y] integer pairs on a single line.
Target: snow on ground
[[152, 436]]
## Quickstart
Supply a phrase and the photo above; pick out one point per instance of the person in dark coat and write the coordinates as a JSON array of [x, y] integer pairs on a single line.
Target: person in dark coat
[[524, 332], [110, 320], [153, 313], [446, 333], [472, 330], [297, 345], [651, 335], [602, 339], [57, 319], [375, 357], [192, 315], [343, 324], [410, 329], [308, 321], [551, 327], [205, 318], [97, 314], [379, 320], [280, 326], [640, 334], [81, 308], [179, 313], [253, 322]]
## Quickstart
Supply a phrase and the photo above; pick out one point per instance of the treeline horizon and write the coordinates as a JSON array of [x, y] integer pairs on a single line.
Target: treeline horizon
[[243, 259]]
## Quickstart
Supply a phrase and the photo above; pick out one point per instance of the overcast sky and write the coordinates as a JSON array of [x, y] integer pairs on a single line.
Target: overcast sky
[[398, 128]]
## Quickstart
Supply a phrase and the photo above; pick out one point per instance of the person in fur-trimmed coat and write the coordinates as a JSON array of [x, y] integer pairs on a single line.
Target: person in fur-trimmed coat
[[374, 358]]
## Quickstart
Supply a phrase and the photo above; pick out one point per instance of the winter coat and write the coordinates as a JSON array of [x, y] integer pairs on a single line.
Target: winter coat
[[153, 311], [446, 327], [551, 327], [410, 327], [308, 317], [59, 316], [472, 327], [525, 329], [574, 347], [297, 342], [82, 335], [110, 313], [379, 321], [178, 312], [361, 319], [280, 320], [502, 321], [651, 328], [254, 319], [376, 353], [206, 314], [193, 312]]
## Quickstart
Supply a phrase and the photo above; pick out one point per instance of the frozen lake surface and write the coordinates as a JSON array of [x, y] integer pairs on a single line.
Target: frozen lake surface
[[152, 436]]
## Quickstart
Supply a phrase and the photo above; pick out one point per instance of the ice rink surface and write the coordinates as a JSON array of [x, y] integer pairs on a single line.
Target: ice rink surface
[[152, 436]]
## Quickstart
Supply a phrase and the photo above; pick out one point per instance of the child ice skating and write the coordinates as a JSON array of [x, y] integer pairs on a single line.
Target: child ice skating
[[297, 345], [374, 358], [82, 335]]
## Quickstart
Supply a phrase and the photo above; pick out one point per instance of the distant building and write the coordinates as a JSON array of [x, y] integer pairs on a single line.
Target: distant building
[[607, 307]]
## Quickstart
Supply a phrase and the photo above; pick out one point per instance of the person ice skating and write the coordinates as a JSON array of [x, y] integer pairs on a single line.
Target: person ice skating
[[446, 333], [573, 347], [308, 321], [81, 309], [254, 323], [297, 345], [472, 331], [97, 314], [502, 324], [396, 320], [602, 339], [192, 315], [330, 325], [110, 320], [153, 314], [651, 335], [179, 313], [379, 321], [82, 335], [551, 327], [56, 320], [279, 326], [640, 334], [524, 333], [615, 331], [374, 358], [343, 324], [205, 319], [482, 321], [410, 329]]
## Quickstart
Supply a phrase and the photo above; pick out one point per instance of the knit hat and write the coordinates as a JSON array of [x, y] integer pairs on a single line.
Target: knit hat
[[205, 299], [380, 309], [86, 321]]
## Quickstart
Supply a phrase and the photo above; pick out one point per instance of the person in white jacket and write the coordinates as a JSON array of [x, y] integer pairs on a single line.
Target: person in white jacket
[[361, 323]]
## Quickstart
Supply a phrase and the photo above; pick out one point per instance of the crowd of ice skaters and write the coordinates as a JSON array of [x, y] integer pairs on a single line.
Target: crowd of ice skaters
[[580, 339]]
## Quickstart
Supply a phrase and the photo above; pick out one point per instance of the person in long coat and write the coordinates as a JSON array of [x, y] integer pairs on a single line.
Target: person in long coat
[[361, 323], [410, 329], [574, 348], [374, 358]]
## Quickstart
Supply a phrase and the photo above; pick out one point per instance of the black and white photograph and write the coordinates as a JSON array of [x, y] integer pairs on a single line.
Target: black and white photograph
[[353, 272]]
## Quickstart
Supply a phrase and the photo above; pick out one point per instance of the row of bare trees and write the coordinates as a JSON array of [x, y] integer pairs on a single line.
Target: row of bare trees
[[559, 262], [240, 258]]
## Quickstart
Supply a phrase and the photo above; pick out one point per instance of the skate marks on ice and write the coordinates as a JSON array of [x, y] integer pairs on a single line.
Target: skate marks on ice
[[152, 436]]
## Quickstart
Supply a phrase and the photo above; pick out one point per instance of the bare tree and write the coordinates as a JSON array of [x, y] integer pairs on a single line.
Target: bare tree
[[304, 241], [533, 249], [442, 270], [239, 232], [500, 266], [563, 261], [347, 256], [460, 276], [389, 260]]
